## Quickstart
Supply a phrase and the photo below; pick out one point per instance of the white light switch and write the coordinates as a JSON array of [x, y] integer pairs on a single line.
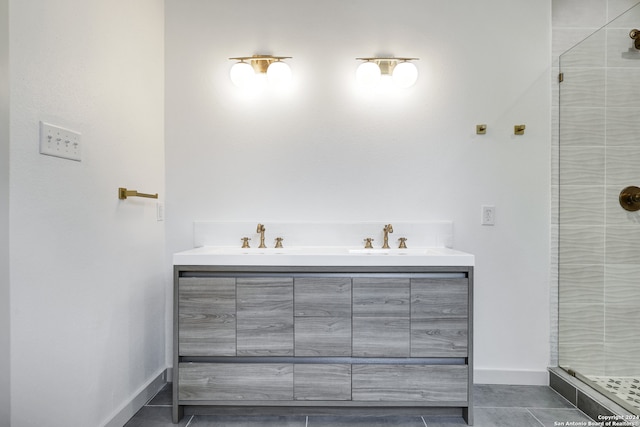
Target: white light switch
[[60, 142]]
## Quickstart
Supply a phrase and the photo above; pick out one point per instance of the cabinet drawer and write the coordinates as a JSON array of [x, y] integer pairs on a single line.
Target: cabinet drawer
[[264, 316], [207, 316], [230, 381], [439, 337], [380, 297], [381, 336], [322, 296], [439, 298], [419, 383], [322, 336], [439, 317], [322, 382]]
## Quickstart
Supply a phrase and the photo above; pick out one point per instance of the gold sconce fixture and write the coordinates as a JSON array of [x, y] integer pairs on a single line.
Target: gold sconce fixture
[[481, 129], [123, 193], [250, 70], [519, 129], [401, 71]]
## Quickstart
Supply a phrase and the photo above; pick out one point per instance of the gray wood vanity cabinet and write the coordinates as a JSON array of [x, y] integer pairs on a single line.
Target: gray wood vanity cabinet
[[323, 340]]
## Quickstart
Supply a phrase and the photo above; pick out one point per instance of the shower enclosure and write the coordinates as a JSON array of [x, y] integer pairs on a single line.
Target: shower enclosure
[[598, 238]]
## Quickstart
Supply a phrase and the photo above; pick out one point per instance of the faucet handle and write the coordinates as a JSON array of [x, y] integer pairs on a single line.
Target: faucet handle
[[368, 244], [245, 242], [279, 242], [403, 244]]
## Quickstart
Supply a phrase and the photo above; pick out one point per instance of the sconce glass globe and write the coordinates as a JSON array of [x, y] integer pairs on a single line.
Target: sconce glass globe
[[368, 74], [405, 74], [242, 74], [279, 74]]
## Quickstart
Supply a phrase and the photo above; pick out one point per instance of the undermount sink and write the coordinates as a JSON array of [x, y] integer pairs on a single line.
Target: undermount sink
[[406, 251], [221, 250]]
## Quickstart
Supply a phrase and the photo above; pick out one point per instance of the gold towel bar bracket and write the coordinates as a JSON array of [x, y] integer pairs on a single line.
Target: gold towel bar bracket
[[123, 193]]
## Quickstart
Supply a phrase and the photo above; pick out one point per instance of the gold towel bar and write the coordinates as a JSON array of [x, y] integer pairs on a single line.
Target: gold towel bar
[[123, 193]]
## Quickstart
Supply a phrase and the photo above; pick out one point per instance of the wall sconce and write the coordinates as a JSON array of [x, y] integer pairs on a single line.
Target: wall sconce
[[248, 70], [403, 73]]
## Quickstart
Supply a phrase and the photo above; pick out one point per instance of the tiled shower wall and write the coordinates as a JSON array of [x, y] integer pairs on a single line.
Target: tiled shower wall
[[596, 153]]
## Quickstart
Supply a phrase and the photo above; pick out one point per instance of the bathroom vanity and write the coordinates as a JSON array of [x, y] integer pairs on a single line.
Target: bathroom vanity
[[323, 330]]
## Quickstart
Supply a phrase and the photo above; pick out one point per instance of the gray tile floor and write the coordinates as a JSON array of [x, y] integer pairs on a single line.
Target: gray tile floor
[[495, 406]]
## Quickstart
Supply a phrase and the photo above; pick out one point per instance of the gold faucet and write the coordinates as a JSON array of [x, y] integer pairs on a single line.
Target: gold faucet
[[260, 230], [245, 242], [279, 242], [387, 229], [367, 244]]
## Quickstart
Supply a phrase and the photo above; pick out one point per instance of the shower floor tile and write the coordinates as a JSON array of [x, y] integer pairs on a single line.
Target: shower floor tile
[[626, 390]]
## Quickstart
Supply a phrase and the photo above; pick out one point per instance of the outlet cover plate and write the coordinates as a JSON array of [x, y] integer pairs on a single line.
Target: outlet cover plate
[[60, 142], [488, 215]]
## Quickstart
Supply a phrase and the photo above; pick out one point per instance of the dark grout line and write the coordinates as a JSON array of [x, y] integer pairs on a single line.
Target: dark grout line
[[536, 418]]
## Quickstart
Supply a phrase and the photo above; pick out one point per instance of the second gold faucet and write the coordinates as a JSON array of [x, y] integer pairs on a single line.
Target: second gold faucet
[[260, 230], [387, 229]]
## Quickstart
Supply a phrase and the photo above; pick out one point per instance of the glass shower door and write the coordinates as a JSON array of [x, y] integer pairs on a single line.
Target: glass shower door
[[598, 240]]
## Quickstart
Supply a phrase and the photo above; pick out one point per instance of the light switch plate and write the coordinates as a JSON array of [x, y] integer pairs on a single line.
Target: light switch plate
[[60, 142]]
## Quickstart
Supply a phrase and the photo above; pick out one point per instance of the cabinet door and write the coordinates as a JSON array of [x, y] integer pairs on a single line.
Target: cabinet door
[[419, 383], [235, 381], [323, 316], [381, 337], [322, 382], [265, 316], [380, 297], [207, 316], [439, 317], [381, 311], [323, 297]]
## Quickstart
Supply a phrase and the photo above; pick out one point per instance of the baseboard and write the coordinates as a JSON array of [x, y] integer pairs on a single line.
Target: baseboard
[[144, 394], [507, 376]]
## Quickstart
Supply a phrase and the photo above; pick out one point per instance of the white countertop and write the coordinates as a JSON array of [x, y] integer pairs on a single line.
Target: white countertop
[[324, 256]]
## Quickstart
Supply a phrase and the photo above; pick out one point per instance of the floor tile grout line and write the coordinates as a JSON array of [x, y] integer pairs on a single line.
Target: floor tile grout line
[[568, 401], [536, 418], [425, 423], [189, 422]]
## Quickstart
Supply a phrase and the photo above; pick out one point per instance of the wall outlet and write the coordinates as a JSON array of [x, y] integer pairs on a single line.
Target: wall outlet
[[488, 215], [60, 142]]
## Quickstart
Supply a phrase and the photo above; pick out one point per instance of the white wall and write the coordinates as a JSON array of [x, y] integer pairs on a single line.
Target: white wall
[[326, 152], [5, 401], [87, 270]]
